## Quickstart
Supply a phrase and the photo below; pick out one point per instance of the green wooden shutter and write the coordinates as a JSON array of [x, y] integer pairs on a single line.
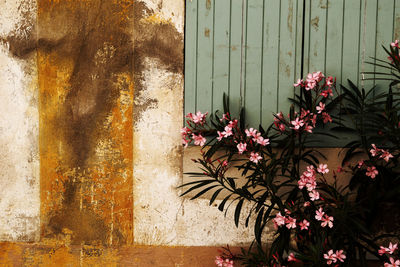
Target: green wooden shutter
[[253, 49]]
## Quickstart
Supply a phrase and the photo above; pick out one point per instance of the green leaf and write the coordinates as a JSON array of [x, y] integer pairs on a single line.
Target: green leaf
[[237, 211], [201, 184], [257, 226], [222, 204], [214, 196], [203, 191]]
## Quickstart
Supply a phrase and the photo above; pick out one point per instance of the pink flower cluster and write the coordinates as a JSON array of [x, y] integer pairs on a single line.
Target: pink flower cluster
[[312, 82], [383, 154], [334, 257], [390, 250], [193, 121], [324, 218], [198, 118], [309, 181], [281, 220], [221, 262]]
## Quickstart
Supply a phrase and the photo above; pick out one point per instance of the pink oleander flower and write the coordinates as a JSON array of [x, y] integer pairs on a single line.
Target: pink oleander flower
[[382, 250], [199, 118], [392, 248], [233, 123], [372, 172], [307, 204], [225, 116], [298, 83], [320, 107], [185, 142], [360, 164], [330, 257], [323, 168], [374, 150], [340, 256], [329, 81], [297, 123], [291, 257], [308, 128], [228, 131], [326, 117], [224, 163], [255, 157], [262, 141], [185, 131], [279, 220], [228, 263], [290, 222], [304, 225], [241, 147], [304, 113], [395, 44], [326, 93], [199, 140], [220, 136], [219, 261], [250, 132], [319, 214], [386, 155], [282, 127], [392, 263], [314, 195], [327, 221], [314, 119]]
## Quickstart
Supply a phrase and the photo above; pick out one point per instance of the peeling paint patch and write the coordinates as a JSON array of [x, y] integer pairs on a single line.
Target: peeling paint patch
[[315, 22], [19, 124]]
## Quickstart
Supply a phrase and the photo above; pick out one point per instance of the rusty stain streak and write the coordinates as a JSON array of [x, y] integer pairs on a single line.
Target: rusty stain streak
[[290, 17], [324, 4], [86, 95], [397, 28], [208, 4], [315, 22], [207, 32]]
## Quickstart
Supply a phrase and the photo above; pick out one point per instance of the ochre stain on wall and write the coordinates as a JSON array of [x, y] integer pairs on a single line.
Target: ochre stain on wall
[[85, 67], [22, 254]]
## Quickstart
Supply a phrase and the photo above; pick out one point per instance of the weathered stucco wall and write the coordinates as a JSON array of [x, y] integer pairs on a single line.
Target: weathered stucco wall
[[90, 110], [161, 216]]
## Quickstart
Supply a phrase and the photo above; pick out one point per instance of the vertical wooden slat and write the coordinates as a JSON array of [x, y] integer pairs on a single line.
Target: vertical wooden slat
[[351, 41], [221, 52], [286, 53], [306, 30], [253, 61], [205, 55], [190, 55], [396, 30], [298, 67], [384, 32], [317, 35], [368, 33], [235, 57], [270, 60], [334, 40]]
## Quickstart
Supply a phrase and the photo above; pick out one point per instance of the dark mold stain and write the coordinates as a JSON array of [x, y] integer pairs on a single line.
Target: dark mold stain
[[160, 41], [100, 46], [79, 33]]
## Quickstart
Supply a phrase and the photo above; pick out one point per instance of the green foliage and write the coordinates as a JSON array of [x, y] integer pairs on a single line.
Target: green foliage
[[271, 184]]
